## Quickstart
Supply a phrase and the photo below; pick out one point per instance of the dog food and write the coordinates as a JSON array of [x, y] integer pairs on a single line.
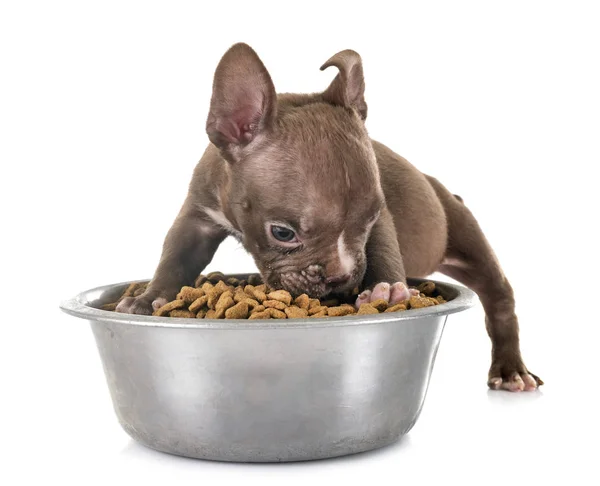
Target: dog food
[[215, 296]]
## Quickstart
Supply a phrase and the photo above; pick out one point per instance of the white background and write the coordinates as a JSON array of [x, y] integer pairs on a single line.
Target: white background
[[102, 112]]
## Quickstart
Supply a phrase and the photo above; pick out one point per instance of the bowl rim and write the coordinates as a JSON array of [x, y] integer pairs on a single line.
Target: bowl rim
[[78, 306]]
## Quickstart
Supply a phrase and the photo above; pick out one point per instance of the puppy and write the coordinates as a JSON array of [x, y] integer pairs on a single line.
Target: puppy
[[323, 209]]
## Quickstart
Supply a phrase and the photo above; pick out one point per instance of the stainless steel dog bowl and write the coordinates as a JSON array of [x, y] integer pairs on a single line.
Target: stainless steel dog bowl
[[267, 390]]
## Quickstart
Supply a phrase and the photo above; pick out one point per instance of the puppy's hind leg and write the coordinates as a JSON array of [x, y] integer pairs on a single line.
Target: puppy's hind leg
[[470, 260]]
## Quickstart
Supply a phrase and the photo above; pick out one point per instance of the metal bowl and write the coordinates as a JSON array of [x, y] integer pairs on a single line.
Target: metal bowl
[[267, 390]]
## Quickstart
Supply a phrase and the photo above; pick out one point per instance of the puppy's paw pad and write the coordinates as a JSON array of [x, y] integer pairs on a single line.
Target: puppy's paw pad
[[517, 382], [135, 305], [392, 294]]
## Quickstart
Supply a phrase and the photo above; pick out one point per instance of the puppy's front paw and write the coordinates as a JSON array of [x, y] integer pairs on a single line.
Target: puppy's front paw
[[509, 373], [143, 304], [392, 294]]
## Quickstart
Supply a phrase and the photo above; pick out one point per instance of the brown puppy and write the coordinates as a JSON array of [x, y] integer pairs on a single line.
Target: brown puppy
[[322, 208]]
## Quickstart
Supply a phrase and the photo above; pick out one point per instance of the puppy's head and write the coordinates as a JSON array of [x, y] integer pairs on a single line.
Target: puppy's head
[[304, 184]]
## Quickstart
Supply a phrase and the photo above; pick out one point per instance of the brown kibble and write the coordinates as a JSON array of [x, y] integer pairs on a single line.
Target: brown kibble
[[397, 307], [233, 281], [320, 314], [215, 293], [258, 308], [239, 295], [281, 295], [302, 301], [317, 309], [420, 302], [225, 302], [330, 302], [252, 304], [211, 314], [380, 305], [440, 299], [139, 291], [198, 303], [200, 280], [367, 309], [342, 310], [207, 287], [181, 313], [427, 288], [295, 312], [215, 277], [201, 314], [109, 307], [260, 315], [314, 303], [131, 289], [275, 313], [168, 307], [274, 304], [189, 294], [261, 288], [238, 311]]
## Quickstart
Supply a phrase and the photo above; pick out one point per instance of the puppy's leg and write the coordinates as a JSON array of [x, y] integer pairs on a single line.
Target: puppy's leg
[[385, 273], [470, 260], [188, 248]]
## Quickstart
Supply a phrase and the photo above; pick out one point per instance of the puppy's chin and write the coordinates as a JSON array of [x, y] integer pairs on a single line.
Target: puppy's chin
[[298, 283]]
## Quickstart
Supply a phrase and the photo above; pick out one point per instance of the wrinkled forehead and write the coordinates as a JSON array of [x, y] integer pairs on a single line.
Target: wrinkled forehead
[[322, 171]]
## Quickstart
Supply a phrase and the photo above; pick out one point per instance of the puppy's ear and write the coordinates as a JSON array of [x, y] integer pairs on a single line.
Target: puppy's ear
[[348, 87], [243, 102]]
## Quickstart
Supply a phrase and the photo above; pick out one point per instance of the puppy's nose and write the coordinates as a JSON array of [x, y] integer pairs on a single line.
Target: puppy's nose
[[338, 279]]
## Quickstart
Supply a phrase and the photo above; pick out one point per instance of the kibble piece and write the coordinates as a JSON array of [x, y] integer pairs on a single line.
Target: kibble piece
[[342, 310], [367, 309], [198, 303], [275, 314], [225, 302], [109, 307], [302, 301], [131, 289], [420, 302], [274, 304], [181, 313], [397, 307], [189, 294], [233, 281], [239, 294], [215, 293], [255, 293], [200, 280], [281, 295], [427, 288], [317, 309], [207, 287], [211, 314], [201, 314], [380, 305], [168, 307], [295, 312], [139, 291], [258, 308], [330, 302], [440, 299], [320, 314], [262, 288], [238, 311], [314, 303], [215, 277], [260, 315], [252, 304]]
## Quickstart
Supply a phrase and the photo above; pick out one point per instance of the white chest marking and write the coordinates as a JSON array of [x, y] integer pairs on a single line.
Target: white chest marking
[[346, 261], [219, 218]]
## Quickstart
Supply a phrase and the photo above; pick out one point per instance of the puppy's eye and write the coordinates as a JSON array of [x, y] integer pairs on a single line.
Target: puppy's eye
[[281, 233]]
